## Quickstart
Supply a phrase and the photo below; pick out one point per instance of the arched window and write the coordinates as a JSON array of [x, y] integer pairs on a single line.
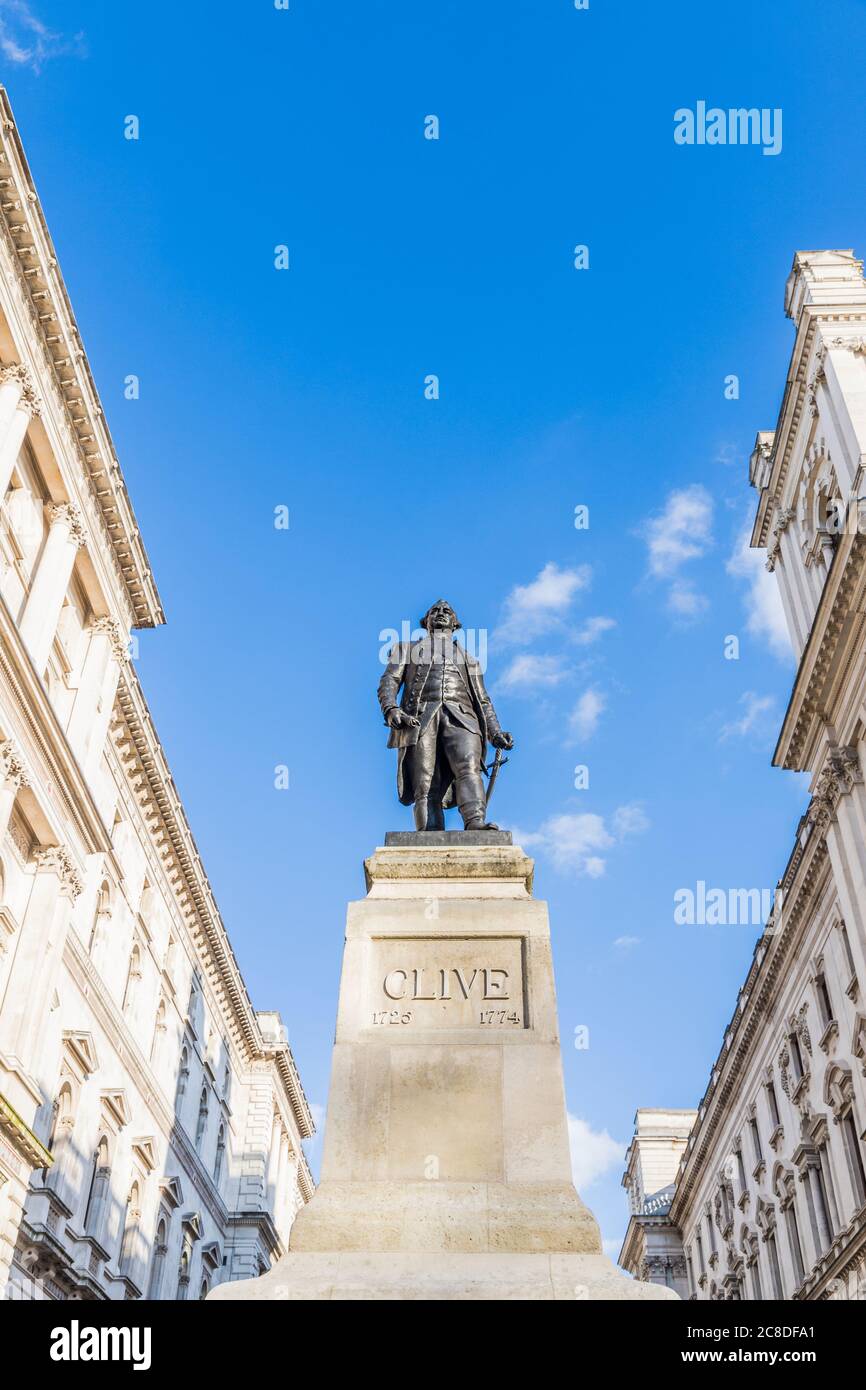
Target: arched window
[[131, 1226], [101, 919], [158, 1035], [61, 1114], [201, 1125], [132, 978], [220, 1154], [157, 1265], [182, 1079], [183, 1275], [100, 1183], [204, 1290]]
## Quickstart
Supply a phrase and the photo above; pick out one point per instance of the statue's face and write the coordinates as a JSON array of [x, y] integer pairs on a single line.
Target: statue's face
[[442, 617]]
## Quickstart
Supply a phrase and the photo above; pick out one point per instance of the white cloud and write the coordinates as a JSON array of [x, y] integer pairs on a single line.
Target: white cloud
[[630, 820], [682, 532], [592, 629], [576, 842], [26, 41], [756, 706], [583, 720], [625, 943], [594, 1153], [684, 599], [765, 617], [528, 672], [535, 608]]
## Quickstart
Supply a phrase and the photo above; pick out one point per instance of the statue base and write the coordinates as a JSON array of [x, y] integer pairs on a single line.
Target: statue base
[[446, 1170]]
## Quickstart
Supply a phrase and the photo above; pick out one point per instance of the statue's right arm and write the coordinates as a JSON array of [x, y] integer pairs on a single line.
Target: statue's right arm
[[389, 685]]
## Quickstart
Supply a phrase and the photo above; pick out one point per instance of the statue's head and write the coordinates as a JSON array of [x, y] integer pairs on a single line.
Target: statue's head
[[441, 617]]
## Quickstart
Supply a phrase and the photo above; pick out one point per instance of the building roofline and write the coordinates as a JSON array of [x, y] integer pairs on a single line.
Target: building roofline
[[57, 332]]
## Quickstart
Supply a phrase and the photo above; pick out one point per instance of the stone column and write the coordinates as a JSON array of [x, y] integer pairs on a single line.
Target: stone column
[[34, 971], [43, 604], [12, 777], [91, 713], [19, 403]]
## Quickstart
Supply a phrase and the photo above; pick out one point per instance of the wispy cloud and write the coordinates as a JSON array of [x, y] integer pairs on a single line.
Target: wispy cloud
[[528, 673], [680, 533], [594, 1153], [577, 842], [583, 720], [533, 609], [27, 42], [765, 617], [592, 630], [757, 709], [626, 943]]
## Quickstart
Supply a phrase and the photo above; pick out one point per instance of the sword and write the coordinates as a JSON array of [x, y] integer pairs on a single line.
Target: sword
[[493, 770]]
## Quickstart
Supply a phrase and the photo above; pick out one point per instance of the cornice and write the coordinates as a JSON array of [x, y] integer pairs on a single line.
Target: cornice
[[28, 696], [796, 401], [55, 329], [192, 889], [805, 876], [837, 630]]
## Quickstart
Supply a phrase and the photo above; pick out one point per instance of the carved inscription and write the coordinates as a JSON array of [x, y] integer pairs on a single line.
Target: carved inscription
[[447, 982]]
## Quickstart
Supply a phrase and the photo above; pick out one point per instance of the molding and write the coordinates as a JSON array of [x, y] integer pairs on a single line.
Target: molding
[[80, 415]]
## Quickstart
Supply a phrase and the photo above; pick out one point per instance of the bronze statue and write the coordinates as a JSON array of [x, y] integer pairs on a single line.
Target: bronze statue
[[441, 725]]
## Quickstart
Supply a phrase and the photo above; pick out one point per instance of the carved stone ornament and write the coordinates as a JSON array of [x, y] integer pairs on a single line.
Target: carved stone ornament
[[58, 859], [30, 400], [12, 768], [67, 513]]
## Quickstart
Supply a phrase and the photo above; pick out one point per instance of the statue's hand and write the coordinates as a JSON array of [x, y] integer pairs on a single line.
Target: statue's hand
[[399, 719], [502, 740]]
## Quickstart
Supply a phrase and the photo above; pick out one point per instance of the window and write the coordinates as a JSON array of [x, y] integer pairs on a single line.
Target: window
[[101, 919], [756, 1140], [183, 1276], [201, 1124], [846, 947], [699, 1245], [132, 979], [690, 1273], [160, 1249], [204, 1290], [773, 1105], [854, 1155], [741, 1170], [796, 1057], [775, 1268], [158, 1035], [182, 1079], [129, 1244], [825, 1008], [220, 1154], [793, 1228], [97, 1197]]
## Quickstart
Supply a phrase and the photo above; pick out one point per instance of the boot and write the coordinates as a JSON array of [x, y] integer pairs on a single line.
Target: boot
[[473, 816], [419, 811], [435, 814]]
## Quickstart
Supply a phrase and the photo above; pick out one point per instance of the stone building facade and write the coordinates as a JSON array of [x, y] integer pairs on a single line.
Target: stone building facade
[[150, 1119], [769, 1200]]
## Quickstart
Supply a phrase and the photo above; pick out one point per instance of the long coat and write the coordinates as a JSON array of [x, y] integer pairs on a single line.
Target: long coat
[[406, 670]]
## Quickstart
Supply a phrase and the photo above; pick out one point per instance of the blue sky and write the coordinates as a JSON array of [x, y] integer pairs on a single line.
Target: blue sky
[[601, 387]]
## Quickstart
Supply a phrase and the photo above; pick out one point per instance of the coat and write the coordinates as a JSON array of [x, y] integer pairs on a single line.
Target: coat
[[408, 667]]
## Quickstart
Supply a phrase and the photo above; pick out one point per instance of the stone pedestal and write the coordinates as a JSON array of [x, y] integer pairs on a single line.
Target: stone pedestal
[[446, 1170]]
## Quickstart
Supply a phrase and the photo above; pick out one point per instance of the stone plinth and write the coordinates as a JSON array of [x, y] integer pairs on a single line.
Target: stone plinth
[[446, 1169]]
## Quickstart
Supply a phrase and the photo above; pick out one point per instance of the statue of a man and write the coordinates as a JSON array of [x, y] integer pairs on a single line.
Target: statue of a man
[[441, 725]]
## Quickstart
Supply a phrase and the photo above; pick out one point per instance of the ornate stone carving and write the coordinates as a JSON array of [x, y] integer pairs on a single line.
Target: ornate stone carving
[[69, 514], [30, 400], [12, 768], [116, 636], [58, 859]]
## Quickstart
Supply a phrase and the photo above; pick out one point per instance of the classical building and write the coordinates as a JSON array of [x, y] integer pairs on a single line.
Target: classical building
[[769, 1201], [150, 1119], [652, 1249]]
